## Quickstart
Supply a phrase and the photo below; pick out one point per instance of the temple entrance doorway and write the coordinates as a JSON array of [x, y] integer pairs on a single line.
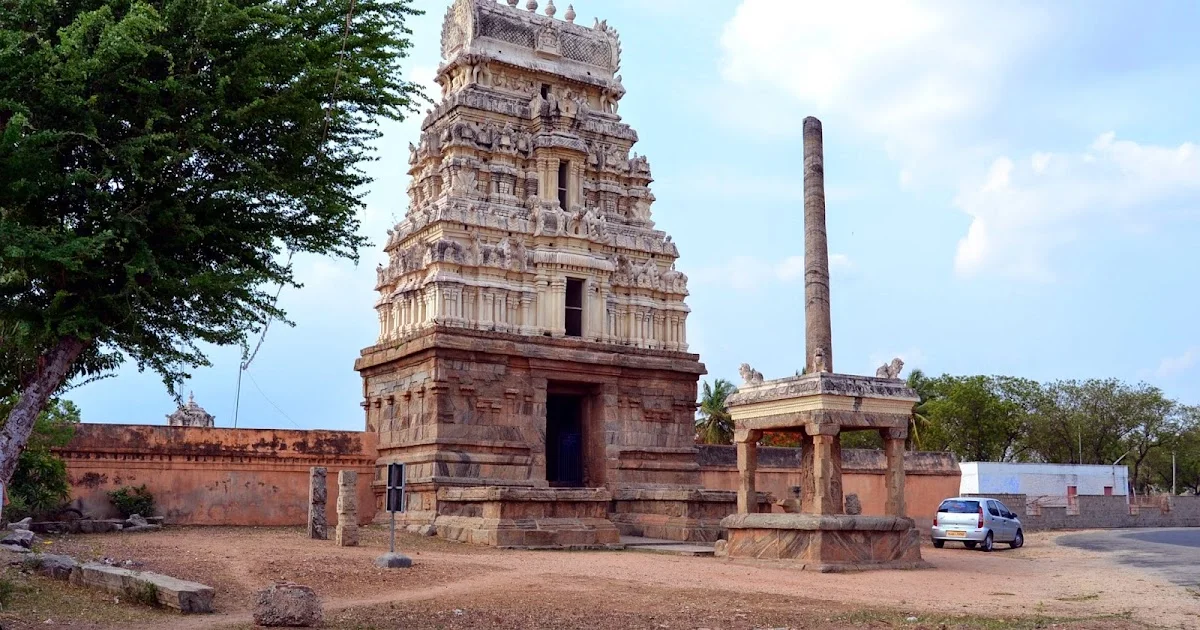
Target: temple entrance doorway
[[564, 440]]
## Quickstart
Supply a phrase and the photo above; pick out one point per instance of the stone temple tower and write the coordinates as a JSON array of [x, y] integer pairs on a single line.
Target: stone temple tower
[[532, 322]]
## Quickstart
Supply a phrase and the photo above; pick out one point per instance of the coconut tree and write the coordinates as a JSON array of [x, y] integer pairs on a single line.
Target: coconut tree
[[918, 421], [713, 424]]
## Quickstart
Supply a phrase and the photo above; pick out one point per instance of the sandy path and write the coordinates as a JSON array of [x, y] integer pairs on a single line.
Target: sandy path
[[1041, 578]]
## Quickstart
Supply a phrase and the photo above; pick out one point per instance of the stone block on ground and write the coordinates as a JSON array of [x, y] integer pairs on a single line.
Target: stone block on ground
[[393, 561], [22, 537], [285, 604], [184, 596], [346, 535], [14, 548], [135, 520], [142, 528], [21, 524], [52, 565]]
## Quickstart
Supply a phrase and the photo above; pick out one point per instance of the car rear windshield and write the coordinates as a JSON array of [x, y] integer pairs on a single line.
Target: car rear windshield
[[959, 507]]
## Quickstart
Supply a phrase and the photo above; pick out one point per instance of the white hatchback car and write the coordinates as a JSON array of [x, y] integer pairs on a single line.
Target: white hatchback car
[[976, 521]]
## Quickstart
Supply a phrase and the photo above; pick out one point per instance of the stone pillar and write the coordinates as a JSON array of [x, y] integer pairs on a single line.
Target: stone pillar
[[894, 478], [318, 527], [818, 335], [747, 458], [347, 509], [826, 471]]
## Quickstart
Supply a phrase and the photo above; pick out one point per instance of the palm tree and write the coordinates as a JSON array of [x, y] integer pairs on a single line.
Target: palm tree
[[714, 426], [918, 420]]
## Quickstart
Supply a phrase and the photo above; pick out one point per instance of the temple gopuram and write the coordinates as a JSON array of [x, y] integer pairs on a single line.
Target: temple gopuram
[[531, 368]]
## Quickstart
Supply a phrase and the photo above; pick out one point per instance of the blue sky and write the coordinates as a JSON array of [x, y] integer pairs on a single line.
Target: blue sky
[[1013, 188]]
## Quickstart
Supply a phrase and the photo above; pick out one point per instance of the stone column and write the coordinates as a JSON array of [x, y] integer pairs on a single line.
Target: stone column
[[347, 509], [826, 470], [893, 441], [747, 458], [318, 528], [818, 335]]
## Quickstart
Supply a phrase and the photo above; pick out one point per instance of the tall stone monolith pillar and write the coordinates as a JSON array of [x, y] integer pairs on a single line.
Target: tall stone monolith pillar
[[818, 334], [347, 509], [318, 527]]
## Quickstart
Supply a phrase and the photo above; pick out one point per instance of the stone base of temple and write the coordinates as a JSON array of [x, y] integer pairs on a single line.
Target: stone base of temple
[[826, 543], [689, 515], [527, 518]]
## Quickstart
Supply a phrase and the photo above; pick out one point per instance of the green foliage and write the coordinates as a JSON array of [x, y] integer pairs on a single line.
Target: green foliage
[[143, 593], [7, 589], [713, 424], [158, 156], [40, 485], [130, 500]]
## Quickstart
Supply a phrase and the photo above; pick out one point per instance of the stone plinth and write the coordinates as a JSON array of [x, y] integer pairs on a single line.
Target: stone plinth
[[826, 543], [684, 515], [527, 518]]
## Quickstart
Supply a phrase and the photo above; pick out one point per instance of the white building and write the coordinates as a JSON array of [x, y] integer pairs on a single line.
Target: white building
[[1045, 484]]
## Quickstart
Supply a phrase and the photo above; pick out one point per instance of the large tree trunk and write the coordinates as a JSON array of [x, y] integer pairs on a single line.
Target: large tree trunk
[[34, 396]]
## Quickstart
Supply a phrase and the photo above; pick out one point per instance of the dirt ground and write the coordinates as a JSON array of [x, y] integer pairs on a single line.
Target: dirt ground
[[461, 587]]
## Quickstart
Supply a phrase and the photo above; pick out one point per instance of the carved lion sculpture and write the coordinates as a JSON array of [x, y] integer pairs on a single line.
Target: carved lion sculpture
[[750, 376], [890, 370]]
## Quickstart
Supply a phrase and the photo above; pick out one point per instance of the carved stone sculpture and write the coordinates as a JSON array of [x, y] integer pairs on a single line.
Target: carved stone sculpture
[[890, 370], [853, 505], [750, 376]]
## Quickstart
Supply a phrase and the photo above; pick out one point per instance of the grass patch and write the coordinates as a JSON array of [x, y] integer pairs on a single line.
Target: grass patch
[[1080, 598], [33, 599], [870, 618], [144, 593]]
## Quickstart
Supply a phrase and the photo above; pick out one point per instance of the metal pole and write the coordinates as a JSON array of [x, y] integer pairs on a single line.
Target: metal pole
[[392, 541], [237, 398], [1172, 473]]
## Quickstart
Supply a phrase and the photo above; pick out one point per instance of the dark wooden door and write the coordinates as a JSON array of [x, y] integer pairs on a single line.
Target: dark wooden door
[[564, 441]]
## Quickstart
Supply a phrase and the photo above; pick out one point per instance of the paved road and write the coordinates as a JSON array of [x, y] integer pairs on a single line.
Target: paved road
[[1175, 553]]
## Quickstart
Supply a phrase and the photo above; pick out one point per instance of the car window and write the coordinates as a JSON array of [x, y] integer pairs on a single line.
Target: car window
[[993, 509], [951, 506], [1003, 508]]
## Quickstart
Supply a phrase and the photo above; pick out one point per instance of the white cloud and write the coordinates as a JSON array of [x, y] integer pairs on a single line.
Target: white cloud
[[1021, 211], [1172, 366], [902, 69], [749, 273]]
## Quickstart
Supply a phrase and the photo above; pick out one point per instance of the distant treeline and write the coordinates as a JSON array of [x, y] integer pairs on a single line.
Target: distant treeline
[[1010, 419]]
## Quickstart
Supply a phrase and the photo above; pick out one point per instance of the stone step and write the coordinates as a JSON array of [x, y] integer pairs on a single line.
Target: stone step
[[673, 547], [184, 596]]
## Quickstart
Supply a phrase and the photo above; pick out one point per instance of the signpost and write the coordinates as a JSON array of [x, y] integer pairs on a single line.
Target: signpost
[[394, 502]]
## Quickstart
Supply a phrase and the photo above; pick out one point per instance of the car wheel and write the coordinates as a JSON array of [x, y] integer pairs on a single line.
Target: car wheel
[[1018, 541], [987, 542], [939, 543], [969, 544]]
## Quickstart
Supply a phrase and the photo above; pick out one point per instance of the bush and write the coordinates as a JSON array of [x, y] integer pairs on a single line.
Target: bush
[[39, 486], [130, 500]]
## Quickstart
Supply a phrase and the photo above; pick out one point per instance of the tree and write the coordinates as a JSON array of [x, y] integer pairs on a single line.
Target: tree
[[39, 484], [979, 418], [714, 425], [919, 419], [156, 159], [1184, 471]]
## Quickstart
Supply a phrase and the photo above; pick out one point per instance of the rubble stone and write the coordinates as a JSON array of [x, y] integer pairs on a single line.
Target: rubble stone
[[286, 604]]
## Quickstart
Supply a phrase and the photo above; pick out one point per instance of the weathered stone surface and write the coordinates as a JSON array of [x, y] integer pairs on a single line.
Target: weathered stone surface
[[136, 520], [826, 542], [286, 604], [347, 509], [141, 528], [191, 415], [853, 505], [184, 596], [21, 524], [21, 537], [524, 183], [818, 335], [318, 528], [14, 548], [52, 565], [393, 561]]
